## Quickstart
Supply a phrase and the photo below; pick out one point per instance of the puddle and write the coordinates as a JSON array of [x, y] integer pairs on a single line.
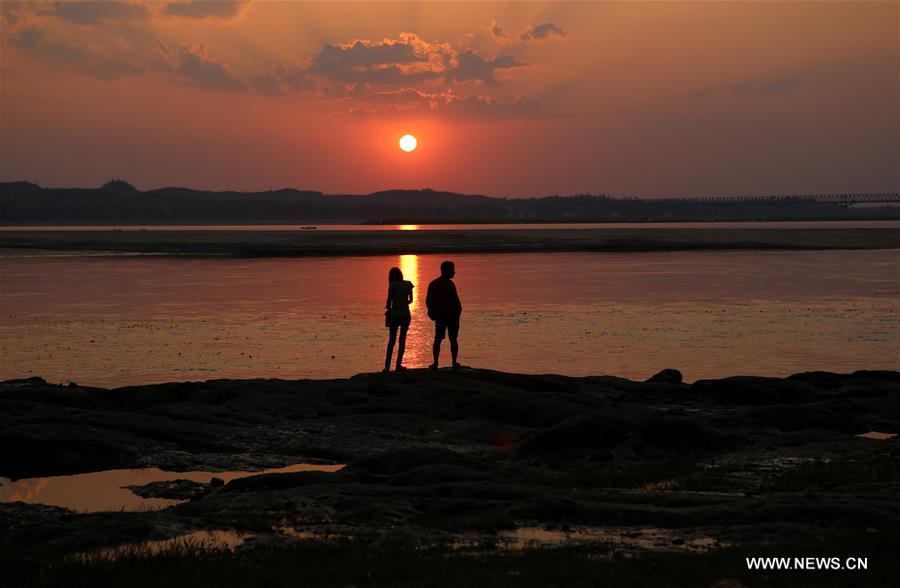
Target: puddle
[[877, 435], [198, 540], [203, 541], [311, 533], [104, 491], [627, 538]]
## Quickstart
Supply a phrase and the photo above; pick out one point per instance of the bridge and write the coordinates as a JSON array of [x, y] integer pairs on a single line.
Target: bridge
[[844, 200]]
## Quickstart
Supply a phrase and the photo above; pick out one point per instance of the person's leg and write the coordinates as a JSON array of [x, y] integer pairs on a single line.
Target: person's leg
[[404, 327], [453, 333], [390, 349], [436, 351], [439, 329]]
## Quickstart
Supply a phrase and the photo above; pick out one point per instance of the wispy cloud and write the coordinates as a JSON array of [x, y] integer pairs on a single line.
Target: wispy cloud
[[546, 30], [539, 32], [94, 12], [412, 103], [92, 60], [193, 64], [200, 9]]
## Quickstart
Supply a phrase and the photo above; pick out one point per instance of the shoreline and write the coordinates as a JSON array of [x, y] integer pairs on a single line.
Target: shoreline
[[250, 244], [315, 401]]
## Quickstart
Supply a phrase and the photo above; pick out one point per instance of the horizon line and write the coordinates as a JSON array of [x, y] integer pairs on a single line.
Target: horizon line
[[887, 193]]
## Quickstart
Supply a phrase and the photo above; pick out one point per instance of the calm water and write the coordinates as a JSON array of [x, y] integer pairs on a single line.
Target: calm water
[[114, 321], [106, 490]]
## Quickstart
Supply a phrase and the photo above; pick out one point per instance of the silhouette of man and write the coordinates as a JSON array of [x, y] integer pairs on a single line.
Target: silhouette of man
[[444, 309]]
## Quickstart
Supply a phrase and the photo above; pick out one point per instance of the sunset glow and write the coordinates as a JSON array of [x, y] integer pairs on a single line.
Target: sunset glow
[[534, 98]]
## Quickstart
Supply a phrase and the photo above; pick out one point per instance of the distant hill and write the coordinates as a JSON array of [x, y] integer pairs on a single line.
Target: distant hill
[[120, 203]]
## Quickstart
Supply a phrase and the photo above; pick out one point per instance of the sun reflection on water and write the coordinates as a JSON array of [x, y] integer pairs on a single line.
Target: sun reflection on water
[[409, 265], [419, 329]]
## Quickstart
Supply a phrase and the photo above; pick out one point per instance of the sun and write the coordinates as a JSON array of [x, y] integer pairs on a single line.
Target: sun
[[408, 143]]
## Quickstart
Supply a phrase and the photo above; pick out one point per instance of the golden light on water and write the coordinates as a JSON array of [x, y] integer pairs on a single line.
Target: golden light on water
[[409, 265], [409, 228], [418, 347]]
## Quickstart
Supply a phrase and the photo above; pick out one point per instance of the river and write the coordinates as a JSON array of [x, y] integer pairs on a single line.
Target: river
[[115, 321]]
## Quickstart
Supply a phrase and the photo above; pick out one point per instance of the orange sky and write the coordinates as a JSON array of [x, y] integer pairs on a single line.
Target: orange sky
[[508, 99]]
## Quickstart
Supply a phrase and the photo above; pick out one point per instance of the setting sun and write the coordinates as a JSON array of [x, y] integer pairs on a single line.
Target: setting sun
[[408, 143]]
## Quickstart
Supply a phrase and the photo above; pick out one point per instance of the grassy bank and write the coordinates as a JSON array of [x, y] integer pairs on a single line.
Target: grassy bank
[[355, 563], [338, 243]]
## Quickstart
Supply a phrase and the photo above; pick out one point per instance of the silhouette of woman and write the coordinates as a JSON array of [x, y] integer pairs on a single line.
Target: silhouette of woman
[[397, 314]]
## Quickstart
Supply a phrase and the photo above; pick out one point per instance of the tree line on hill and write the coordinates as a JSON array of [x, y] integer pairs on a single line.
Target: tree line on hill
[[119, 203]]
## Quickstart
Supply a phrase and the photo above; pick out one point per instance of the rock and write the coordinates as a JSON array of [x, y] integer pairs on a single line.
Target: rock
[[752, 390], [437, 474], [681, 435], [169, 489], [404, 460], [34, 380], [578, 436], [810, 419], [828, 379], [39, 448], [668, 376], [434, 452], [282, 481]]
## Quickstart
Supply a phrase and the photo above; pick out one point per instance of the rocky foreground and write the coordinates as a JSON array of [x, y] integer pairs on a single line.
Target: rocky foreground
[[460, 455]]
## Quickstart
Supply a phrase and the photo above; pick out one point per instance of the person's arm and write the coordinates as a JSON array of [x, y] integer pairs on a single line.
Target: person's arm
[[387, 305], [409, 296], [456, 301]]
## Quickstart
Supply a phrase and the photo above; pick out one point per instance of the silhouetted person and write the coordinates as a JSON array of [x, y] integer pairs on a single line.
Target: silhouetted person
[[444, 309], [397, 314]]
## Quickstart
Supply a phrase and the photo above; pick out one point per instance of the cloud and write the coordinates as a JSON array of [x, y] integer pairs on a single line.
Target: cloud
[[11, 11], [116, 58], [497, 31], [390, 61], [30, 38], [269, 83], [487, 108], [91, 60], [95, 11], [412, 103], [193, 64], [408, 60], [199, 9], [542, 31], [470, 66], [281, 79]]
